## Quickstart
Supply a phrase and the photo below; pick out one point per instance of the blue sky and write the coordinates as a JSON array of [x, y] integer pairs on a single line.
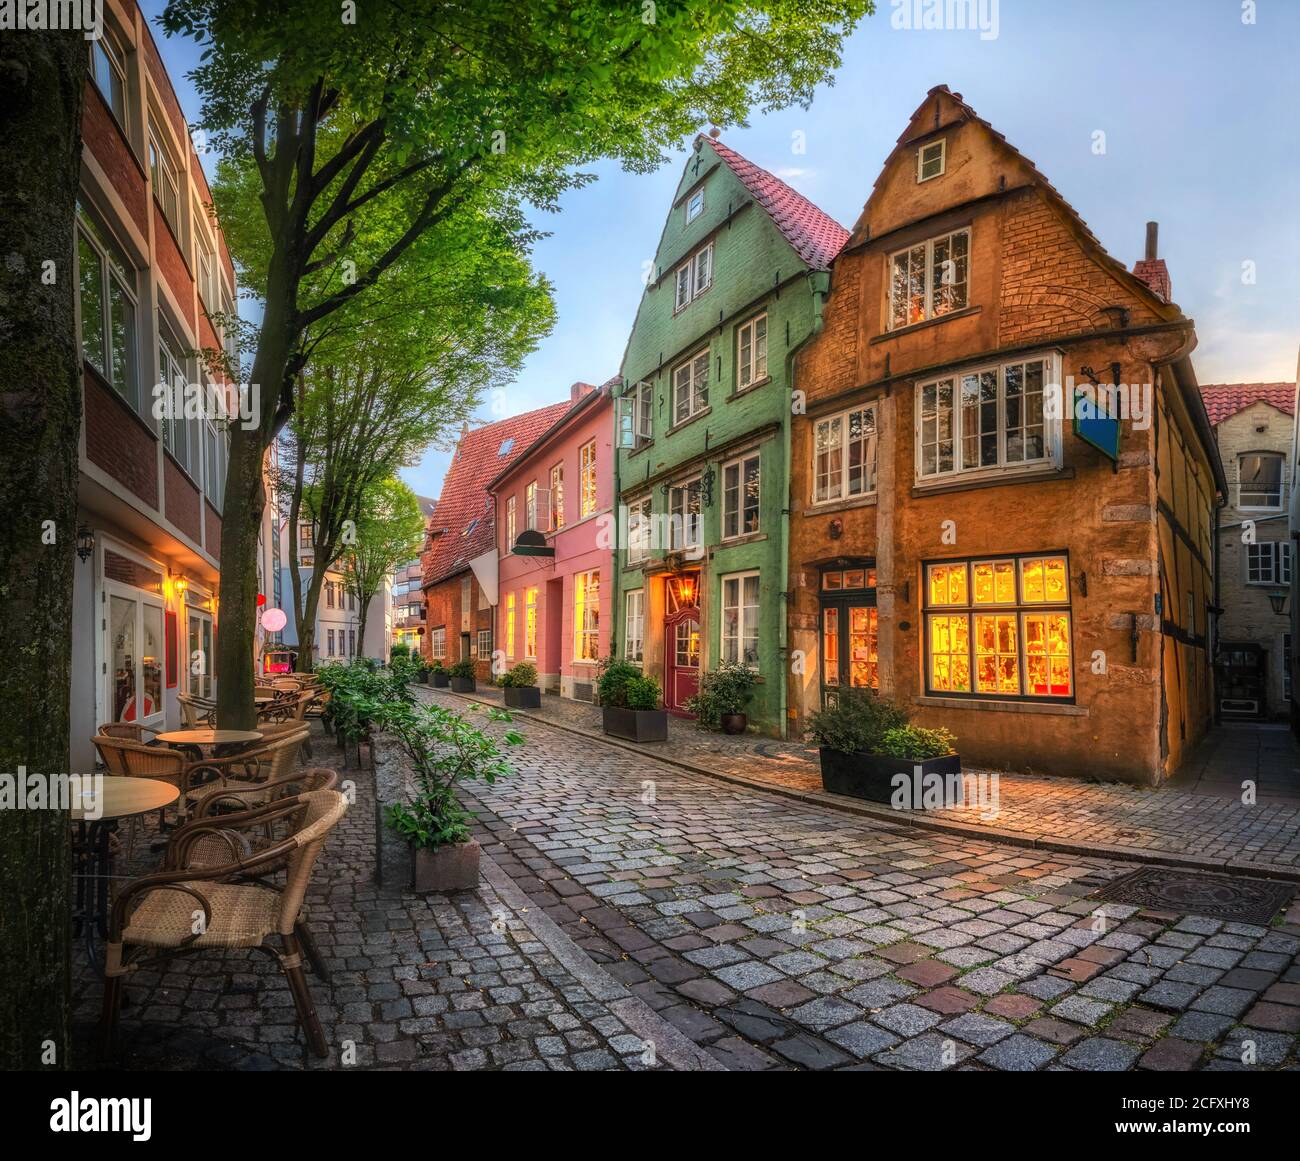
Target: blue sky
[[1197, 109]]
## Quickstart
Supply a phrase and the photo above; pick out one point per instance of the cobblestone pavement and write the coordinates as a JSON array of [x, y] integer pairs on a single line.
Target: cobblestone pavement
[[460, 981], [783, 934], [1205, 822]]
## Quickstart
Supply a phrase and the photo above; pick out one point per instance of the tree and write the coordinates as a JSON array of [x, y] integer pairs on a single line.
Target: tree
[[390, 533], [369, 130], [44, 75]]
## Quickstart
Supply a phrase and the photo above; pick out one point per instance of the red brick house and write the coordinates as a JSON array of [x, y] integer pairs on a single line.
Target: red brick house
[[460, 555]]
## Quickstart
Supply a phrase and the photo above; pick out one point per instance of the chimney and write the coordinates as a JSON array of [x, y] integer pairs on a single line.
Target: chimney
[[1152, 269], [1153, 247], [580, 391]]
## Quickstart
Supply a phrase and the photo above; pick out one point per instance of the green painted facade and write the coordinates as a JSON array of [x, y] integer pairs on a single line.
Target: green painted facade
[[754, 271]]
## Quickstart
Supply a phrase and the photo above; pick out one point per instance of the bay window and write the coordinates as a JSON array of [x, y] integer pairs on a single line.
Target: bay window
[[634, 626], [740, 619], [691, 386], [929, 280], [586, 616], [844, 456], [999, 627], [740, 497], [751, 352]]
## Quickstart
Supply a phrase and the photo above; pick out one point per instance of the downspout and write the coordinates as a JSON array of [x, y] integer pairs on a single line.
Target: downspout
[[819, 282]]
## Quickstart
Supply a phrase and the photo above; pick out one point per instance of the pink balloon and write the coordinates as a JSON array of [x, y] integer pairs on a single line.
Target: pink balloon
[[273, 620]]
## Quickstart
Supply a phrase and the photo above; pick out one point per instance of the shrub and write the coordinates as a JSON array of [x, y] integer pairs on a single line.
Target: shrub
[[725, 690], [437, 666], [613, 679], [518, 676], [401, 649], [856, 720], [642, 693], [462, 668], [916, 743]]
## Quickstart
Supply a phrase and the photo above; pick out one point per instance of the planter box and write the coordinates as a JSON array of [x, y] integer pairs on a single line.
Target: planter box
[[523, 697], [439, 680], [635, 725], [450, 868], [463, 685], [894, 781], [733, 723]]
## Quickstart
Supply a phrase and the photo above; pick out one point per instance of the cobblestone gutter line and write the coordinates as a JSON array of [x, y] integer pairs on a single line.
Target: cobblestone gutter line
[[671, 1046], [921, 822]]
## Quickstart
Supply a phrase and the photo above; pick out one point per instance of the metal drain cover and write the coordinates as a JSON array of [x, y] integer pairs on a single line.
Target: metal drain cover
[[1227, 897]]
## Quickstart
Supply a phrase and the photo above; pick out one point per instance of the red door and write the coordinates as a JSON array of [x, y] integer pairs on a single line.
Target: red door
[[682, 658]]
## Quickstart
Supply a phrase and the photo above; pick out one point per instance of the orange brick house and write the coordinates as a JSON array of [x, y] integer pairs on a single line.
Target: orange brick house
[[460, 557], [1030, 575]]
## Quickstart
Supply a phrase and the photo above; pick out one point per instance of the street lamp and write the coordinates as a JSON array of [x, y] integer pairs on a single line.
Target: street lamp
[[1277, 598]]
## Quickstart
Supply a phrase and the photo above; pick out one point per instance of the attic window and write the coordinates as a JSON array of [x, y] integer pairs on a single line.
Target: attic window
[[695, 205], [473, 523], [506, 445], [930, 160]]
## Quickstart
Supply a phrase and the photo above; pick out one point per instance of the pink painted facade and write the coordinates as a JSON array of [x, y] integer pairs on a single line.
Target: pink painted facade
[[556, 611]]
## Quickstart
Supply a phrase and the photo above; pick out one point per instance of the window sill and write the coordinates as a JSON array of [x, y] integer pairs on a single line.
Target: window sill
[[965, 312], [636, 451], [737, 541], [842, 505], [688, 421], [957, 483], [992, 704], [754, 386]]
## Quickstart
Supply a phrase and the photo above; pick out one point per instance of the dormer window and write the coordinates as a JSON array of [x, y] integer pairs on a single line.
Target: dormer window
[[930, 159], [695, 205]]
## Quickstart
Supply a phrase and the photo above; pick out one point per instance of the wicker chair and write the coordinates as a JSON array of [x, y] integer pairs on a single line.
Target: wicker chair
[[153, 916], [271, 762], [199, 712], [133, 731], [127, 759]]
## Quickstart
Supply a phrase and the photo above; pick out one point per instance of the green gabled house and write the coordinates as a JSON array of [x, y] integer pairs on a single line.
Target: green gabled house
[[703, 462]]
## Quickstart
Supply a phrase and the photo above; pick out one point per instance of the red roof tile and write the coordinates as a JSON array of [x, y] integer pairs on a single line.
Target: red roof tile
[[815, 235], [1226, 399], [462, 526]]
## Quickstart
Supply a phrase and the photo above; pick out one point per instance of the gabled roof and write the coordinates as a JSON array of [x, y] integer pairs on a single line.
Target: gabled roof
[[591, 397], [815, 236], [1223, 400], [462, 526]]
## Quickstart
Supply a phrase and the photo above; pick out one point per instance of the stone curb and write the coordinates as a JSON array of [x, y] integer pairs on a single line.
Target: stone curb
[[966, 830], [672, 1047]]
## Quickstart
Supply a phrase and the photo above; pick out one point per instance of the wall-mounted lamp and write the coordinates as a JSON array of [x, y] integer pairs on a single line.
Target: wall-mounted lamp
[[1277, 598], [181, 585], [85, 542], [685, 589]]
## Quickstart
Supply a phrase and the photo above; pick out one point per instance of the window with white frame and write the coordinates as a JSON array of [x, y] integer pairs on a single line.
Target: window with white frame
[[108, 307], [634, 626], [587, 479], [930, 159], [586, 615], [438, 644], [751, 352], [510, 624], [331, 642], [108, 71], [208, 287], [740, 496], [485, 644], [1268, 563], [171, 376], [530, 505], [557, 497], [929, 280], [740, 619], [640, 526], [530, 624], [691, 386], [636, 416], [844, 455], [987, 418], [510, 523], [166, 185], [1259, 480], [695, 205], [684, 518], [214, 465], [694, 276]]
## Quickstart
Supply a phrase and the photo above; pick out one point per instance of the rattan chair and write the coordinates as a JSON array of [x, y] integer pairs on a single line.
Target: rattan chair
[[272, 761], [133, 731], [127, 759], [198, 712], [154, 917]]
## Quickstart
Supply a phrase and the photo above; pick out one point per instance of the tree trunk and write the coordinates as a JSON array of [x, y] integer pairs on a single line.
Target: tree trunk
[[44, 74], [307, 623], [361, 630]]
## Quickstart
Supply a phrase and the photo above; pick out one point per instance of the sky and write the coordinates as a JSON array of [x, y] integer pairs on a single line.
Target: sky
[[1197, 111]]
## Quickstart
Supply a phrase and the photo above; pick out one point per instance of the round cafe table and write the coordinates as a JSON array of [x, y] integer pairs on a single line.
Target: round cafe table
[[95, 814], [196, 739]]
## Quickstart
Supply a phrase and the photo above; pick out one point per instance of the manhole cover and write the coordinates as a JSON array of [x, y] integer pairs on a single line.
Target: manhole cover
[[1189, 893]]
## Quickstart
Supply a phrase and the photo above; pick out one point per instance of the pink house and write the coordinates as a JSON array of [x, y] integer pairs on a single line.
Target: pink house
[[554, 508]]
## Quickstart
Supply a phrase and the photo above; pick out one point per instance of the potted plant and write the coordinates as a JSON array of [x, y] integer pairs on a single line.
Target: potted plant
[[462, 676], [444, 749], [722, 696], [630, 703], [869, 750], [439, 677], [520, 685]]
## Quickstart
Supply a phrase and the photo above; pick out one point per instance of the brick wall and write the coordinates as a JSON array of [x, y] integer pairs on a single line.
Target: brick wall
[[212, 529], [104, 139], [118, 442], [443, 609], [168, 259], [181, 498]]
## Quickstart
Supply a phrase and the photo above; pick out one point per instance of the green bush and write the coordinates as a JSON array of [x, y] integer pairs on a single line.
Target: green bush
[[437, 666], [401, 649], [462, 668], [518, 676], [613, 679], [856, 720], [916, 743], [642, 693], [725, 690]]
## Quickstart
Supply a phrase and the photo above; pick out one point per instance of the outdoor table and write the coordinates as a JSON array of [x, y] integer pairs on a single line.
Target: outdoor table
[[115, 797], [195, 740]]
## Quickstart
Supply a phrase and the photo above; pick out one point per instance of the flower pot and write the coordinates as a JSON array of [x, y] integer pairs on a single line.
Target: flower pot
[[463, 685], [905, 783], [440, 680], [453, 867], [426, 677], [635, 725], [733, 723], [523, 697]]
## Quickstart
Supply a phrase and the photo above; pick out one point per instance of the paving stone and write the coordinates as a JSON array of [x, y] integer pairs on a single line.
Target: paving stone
[[1018, 1053], [862, 1039], [906, 1019], [879, 993], [1171, 996], [1081, 1010], [782, 994], [1013, 1007], [1100, 1054], [1254, 1047], [1139, 1022], [825, 1012], [1201, 1026], [1273, 1017], [1172, 1055], [1224, 1001], [1055, 1031], [977, 1029], [810, 1052], [746, 975], [1045, 987], [927, 1053], [926, 973], [1111, 990]]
